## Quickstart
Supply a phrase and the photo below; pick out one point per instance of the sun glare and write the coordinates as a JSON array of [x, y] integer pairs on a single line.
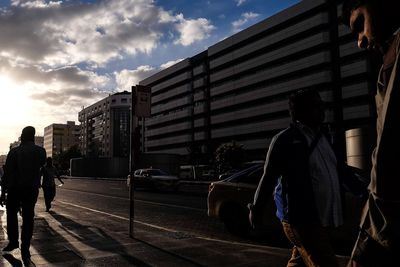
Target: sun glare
[[14, 101], [15, 110]]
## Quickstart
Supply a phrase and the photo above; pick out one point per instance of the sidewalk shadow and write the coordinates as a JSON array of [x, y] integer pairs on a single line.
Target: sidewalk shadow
[[51, 245], [13, 261], [95, 237]]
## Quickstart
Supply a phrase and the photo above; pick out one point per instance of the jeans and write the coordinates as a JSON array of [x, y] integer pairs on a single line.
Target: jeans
[[311, 246], [49, 192]]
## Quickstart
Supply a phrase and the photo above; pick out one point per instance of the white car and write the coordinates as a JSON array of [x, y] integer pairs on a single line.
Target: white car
[[156, 179]]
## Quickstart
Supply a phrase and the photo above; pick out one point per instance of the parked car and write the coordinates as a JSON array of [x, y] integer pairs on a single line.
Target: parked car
[[228, 199], [153, 179], [196, 173], [245, 165]]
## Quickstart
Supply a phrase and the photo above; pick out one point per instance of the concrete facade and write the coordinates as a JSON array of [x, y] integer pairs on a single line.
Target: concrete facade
[[105, 127], [60, 137], [237, 89]]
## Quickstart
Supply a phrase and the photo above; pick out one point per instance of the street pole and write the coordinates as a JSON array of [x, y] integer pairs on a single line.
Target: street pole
[[132, 162], [140, 108]]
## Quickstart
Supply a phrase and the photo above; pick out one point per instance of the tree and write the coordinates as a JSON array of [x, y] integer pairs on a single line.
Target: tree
[[63, 159], [229, 156]]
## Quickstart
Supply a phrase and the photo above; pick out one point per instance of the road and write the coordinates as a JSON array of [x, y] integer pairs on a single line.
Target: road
[[185, 214], [176, 212]]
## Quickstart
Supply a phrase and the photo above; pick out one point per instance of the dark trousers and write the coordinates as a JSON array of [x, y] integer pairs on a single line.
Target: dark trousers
[[21, 198], [49, 192]]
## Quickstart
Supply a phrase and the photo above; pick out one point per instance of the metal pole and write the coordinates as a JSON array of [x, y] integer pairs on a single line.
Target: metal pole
[[132, 162]]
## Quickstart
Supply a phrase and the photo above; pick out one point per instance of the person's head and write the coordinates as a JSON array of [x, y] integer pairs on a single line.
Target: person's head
[[28, 134], [49, 161], [307, 107], [373, 21]]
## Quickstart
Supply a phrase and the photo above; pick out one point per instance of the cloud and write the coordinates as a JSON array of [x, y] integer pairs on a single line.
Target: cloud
[[192, 30], [127, 78], [57, 56], [240, 2], [59, 34], [244, 19], [56, 33], [170, 63], [35, 3], [42, 80]]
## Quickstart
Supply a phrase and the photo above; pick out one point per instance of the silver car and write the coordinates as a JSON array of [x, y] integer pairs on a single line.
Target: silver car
[[156, 179]]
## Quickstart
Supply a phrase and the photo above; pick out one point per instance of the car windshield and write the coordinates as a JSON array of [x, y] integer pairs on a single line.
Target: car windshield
[[248, 175]]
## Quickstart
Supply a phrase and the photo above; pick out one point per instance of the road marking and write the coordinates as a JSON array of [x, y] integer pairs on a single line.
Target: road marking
[[171, 230], [143, 201], [93, 210]]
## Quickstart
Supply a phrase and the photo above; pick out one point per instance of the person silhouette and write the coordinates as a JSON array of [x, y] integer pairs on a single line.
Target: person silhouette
[[49, 172], [20, 189], [376, 25], [307, 178]]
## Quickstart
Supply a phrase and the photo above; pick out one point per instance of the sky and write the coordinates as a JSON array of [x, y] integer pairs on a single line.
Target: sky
[[57, 57]]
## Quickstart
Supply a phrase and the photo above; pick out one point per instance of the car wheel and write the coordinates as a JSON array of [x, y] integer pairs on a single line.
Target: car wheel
[[236, 219]]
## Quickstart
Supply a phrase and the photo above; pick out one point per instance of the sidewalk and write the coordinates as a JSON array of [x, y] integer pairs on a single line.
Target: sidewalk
[[69, 236]]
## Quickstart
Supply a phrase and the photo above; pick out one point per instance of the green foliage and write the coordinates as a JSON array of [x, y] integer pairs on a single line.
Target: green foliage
[[229, 156]]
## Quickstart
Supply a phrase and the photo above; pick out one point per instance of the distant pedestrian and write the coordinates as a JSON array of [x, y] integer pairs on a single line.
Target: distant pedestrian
[[302, 170], [49, 172], [376, 24], [20, 189]]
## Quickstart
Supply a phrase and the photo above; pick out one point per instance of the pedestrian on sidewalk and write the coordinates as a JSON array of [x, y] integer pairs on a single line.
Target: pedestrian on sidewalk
[[377, 27], [302, 167], [49, 172], [20, 189]]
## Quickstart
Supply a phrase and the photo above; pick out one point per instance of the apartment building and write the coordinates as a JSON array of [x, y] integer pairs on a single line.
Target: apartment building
[[237, 89], [59, 137], [105, 127]]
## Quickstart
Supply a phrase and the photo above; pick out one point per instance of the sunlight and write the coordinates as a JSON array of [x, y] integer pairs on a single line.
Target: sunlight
[[16, 110], [15, 104]]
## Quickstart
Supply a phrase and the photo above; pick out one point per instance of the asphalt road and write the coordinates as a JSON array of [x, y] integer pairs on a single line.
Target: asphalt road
[[177, 212]]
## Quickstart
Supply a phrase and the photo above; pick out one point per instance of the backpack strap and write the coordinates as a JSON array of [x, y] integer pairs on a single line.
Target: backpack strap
[[314, 143]]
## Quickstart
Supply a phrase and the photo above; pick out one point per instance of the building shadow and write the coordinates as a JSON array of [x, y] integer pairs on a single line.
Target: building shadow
[[96, 238], [50, 245]]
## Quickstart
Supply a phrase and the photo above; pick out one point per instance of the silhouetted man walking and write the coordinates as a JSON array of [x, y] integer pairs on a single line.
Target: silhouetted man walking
[[21, 183], [307, 179], [377, 27]]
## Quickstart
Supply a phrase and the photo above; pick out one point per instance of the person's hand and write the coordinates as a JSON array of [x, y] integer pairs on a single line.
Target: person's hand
[[255, 216]]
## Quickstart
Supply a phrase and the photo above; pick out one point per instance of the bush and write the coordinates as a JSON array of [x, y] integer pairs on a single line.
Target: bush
[[229, 156]]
